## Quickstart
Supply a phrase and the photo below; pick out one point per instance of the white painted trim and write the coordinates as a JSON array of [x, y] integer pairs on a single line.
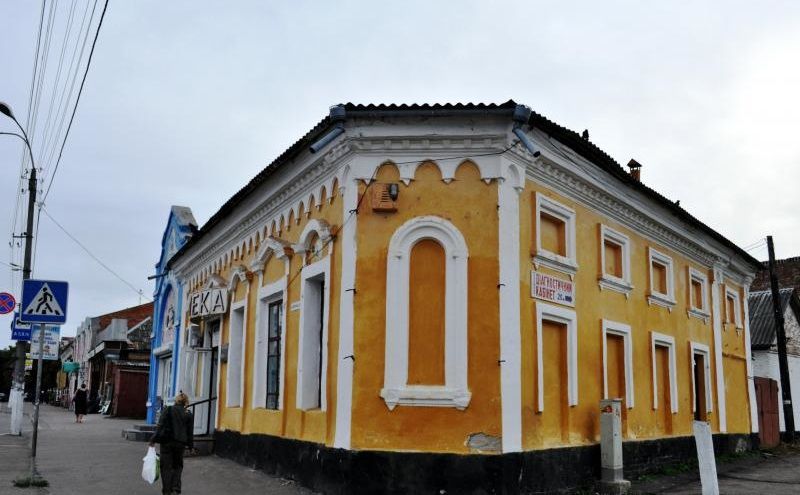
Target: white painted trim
[[717, 319], [234, 307], [737, 307], [322, 266], [702, 349], [660, 339], [344, 376], [654, 296], [266, 295], [615, 328], [568, 317], [611, 282], [567, 264], [510, 336], [396, 391], [700, 312], [751, 389]]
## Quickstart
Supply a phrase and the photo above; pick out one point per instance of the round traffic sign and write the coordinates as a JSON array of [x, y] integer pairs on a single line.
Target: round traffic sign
[[7, 303]]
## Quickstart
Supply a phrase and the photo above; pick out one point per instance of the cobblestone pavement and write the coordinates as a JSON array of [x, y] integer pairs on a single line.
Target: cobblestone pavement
[[92, 457]]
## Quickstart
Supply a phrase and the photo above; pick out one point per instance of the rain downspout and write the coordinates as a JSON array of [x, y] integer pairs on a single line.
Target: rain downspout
[[337, 115], [522, 114]]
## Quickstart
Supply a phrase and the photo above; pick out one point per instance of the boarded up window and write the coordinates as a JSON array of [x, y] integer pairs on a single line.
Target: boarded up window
[[659, 274], [613, 258], [552, 234]]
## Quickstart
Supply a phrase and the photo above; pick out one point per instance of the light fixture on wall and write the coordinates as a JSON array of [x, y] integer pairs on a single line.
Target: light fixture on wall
[[394, 191]]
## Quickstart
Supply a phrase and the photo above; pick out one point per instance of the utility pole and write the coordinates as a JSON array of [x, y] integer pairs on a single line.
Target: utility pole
[[22, 347], [783, 362]]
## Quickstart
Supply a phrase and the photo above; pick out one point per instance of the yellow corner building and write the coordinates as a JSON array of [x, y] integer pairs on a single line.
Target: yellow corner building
[[421, 298]]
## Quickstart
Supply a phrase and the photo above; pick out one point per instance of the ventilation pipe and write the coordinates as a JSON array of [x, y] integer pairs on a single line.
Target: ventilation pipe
[[337, 115], [521, 115]]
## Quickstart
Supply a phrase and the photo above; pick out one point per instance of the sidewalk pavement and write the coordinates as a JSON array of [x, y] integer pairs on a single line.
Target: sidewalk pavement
[[775, 472], [92, 457]]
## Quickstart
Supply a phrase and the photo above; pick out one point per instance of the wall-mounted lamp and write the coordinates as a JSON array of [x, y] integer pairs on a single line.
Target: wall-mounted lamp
[[394, 191]]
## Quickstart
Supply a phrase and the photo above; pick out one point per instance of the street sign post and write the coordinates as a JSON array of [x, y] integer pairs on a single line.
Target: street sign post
[[52, 335], [20, 330], [43, 302], [7, 303]]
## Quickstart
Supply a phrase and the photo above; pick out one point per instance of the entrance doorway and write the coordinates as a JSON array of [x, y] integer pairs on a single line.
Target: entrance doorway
[[767, 405], [699, 387]]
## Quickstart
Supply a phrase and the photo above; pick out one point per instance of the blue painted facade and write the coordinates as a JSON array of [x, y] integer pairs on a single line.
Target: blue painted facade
[[168, 298]]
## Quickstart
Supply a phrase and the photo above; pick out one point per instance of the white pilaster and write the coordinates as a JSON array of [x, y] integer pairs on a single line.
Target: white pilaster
[[716, 318], [510, 338], [346, 361], [751, 388]]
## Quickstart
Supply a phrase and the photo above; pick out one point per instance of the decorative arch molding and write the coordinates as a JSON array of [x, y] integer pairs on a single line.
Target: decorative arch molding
[[269, 248], [239, 275], [215, 281], [396, 390], [320, 227]]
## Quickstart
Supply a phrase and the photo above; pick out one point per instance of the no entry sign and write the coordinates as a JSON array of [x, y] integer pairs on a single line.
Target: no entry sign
[[7, 303]]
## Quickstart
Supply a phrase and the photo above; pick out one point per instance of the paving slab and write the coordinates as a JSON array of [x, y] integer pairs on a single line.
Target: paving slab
[[92, 457]]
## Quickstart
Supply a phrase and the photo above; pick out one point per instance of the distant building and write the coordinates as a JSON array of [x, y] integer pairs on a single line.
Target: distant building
[[408, 288], [113, 352], [786, 270]]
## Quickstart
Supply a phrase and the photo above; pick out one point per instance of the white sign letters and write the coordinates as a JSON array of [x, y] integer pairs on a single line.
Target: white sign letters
[[208, 302]]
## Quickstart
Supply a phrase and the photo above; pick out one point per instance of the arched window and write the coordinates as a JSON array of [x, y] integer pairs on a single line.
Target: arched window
[[426, 312]]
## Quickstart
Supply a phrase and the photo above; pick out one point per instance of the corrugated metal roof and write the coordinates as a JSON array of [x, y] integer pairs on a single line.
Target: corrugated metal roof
[[583, 147], [762, 319]]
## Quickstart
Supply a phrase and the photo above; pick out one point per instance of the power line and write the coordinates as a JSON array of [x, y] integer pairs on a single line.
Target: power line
[[77, 100], [92, 255]]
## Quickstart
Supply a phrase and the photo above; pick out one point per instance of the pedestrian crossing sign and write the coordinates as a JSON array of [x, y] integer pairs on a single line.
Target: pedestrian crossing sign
[[44, 301]]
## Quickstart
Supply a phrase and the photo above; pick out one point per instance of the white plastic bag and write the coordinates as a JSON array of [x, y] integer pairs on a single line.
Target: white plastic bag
[[150, 466]]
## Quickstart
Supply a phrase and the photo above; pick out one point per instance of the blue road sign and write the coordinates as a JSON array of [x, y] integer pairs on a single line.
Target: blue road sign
[[19, 330], [44, 301]]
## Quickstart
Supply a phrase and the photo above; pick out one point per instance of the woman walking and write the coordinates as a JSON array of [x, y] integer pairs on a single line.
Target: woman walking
[[175, 433], [80, 403]]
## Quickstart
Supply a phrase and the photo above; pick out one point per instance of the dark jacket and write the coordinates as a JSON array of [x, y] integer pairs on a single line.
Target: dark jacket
[[175, 425]]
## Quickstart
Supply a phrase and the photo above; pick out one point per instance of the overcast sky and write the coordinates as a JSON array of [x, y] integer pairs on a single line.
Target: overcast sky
[[186, 101]]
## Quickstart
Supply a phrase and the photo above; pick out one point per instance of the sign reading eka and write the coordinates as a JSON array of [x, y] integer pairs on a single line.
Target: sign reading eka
[[208, 302]]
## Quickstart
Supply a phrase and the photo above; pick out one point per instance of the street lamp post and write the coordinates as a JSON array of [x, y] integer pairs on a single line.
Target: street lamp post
[[18, 390]]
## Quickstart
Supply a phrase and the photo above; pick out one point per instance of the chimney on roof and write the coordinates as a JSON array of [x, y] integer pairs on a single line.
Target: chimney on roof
[[585, 134], [636, 170]]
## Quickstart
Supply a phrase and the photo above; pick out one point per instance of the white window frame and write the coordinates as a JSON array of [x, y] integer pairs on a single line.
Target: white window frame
[[702, 313], [737, 307], [622, 330], [267, 295], [277, 248], [568, 317], [396, 390], [702, 349], [566, 264], [305, 398], [236, 400], [612, 282], [660, 339], [655, 297]]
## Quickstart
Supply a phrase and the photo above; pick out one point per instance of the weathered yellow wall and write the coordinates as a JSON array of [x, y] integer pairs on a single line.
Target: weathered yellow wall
[[312, 425], [735, 367], [426, 314], [471, 205], [594, 304]]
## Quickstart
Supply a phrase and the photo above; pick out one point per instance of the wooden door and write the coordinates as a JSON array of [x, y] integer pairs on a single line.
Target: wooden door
[[767, 403]]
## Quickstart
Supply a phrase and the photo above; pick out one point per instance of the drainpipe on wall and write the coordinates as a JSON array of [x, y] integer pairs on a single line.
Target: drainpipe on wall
[[521, 115], [337, 115]]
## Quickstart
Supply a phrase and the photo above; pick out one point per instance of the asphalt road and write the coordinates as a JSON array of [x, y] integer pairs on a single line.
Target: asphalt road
[[92, 457]]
